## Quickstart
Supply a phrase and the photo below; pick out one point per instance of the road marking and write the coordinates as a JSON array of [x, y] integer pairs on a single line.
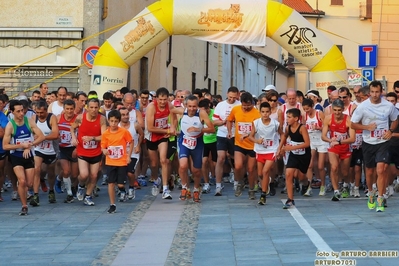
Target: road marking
[[317, 240]]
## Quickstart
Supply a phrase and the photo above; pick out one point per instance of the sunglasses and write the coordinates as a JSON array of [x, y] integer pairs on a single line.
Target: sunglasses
[[396, 91], [273, 100], [343, 97]]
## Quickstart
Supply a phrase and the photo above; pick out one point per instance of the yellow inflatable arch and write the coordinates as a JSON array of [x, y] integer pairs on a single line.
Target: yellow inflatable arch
[[244, 22]]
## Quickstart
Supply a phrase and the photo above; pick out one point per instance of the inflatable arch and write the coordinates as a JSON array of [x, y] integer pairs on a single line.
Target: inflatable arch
[[244, 23]]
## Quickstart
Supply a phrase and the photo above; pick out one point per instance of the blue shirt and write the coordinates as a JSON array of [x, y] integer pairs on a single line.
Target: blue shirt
[[3, 124]]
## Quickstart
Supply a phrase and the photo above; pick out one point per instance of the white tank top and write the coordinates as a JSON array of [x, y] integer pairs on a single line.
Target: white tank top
[[47, 146], [135, 137], [193, 121], [56, 109], [270, 136]]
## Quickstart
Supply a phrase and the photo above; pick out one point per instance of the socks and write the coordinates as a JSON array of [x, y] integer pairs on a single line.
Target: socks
[[165, 188], [68, 185]]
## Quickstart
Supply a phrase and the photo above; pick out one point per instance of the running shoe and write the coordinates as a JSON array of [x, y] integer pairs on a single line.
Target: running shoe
[[34, 201], [80, 193], [57, 186], [14, 195], [51, 197], [43, 186], [288, 204], [69, 199], [322, 191], [251, 194], [352, 191], [356, 193], [112, 209], [183, 194], [166, 194], [131, 194], [122, 196], [89, 201], [218, 191], [29, 194], [308, 192], [256, 188], [238, 192], [155, 187], [206, 189], [226, 179], [262, 200], [336, 196], [380, 204], [345, 192], [24, 211], [105, 180], [371, 200], [196, 197]]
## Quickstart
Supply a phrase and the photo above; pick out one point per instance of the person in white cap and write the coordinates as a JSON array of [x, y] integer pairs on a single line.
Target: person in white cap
[[269, 87]]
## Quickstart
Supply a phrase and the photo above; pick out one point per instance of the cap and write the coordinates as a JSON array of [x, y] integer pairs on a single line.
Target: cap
[[269, 87], [153, 93], [281, 100], [313, 93]]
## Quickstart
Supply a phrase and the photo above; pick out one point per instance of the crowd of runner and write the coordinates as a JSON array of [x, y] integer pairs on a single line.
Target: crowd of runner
[[65, 142]]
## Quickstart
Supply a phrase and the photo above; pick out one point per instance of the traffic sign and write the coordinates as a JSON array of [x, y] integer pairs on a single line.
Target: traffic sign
[[368, 55], [368, 75], [89, 54]]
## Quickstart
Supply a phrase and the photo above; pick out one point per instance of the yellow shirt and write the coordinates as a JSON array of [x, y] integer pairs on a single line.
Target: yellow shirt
[[243, 125]]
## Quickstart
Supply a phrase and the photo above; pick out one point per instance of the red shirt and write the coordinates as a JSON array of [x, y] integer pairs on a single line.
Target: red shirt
[[340, 131], [90, 148], [64, 127], [160, 121]]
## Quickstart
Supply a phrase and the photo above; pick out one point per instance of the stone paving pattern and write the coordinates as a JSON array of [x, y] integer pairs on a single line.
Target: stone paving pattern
[[219, 231]]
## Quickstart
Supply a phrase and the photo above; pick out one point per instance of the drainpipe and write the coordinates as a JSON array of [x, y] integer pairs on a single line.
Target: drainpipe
[[207, 62], [105, 9], [274, 74], [170, 52], [231, 65]]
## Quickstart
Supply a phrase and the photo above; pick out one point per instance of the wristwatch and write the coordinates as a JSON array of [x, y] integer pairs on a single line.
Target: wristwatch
[[391, 130], [94, 138]]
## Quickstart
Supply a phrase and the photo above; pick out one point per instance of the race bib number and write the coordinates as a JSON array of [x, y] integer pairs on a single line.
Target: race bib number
[[297, 151], [90, 145], [267, 143], [161, 123], [378, 133], [115, 152], [340, 136], [22, 141], [244, 128], [359, 140], [311, 126], [189, 142], [45, 145], [65, 137]]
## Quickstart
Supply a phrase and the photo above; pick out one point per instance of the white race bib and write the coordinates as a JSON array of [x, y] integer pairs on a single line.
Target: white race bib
[[244, 128], [115, 152], [65, 136], [267, 143], [45, 145], [378, 133], [189, 142], [90, 145]]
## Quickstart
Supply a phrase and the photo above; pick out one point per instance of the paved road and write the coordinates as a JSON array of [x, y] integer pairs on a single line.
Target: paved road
[[219, 231]]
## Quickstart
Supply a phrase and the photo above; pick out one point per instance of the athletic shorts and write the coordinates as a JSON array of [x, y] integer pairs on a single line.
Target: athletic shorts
[[321, 147], [225, 144], [262, 158], [195, 154], [117, 174], [66, 154], [394, 155], [172, 148], [210, 148], [342, 153], [250, 153], [47, 159], [300, 162], [3, 155], [357, 157], [92, 160], [19, 161], [131, 167], [153, 145], [375, 153]]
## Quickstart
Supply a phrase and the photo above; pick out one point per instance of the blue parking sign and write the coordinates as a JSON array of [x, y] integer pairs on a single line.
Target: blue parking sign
[[368, 75]]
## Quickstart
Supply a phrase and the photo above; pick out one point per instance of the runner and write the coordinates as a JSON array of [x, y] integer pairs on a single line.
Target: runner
[[373, 117], [244, 155], [18, 140], [191, 145], [339, 154], [57, 106], [91, 125], [45, 152]]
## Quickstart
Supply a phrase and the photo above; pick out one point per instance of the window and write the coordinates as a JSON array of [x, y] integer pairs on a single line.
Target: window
[[174, 85], [337, 2], [144, 73], [193, 81], [215, 87], [209, 85]]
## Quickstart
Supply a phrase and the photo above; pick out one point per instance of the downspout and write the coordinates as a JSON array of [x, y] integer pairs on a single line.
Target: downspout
[[105, 9], [170, 52], [274, 74], [207, 62], [232, 65]]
